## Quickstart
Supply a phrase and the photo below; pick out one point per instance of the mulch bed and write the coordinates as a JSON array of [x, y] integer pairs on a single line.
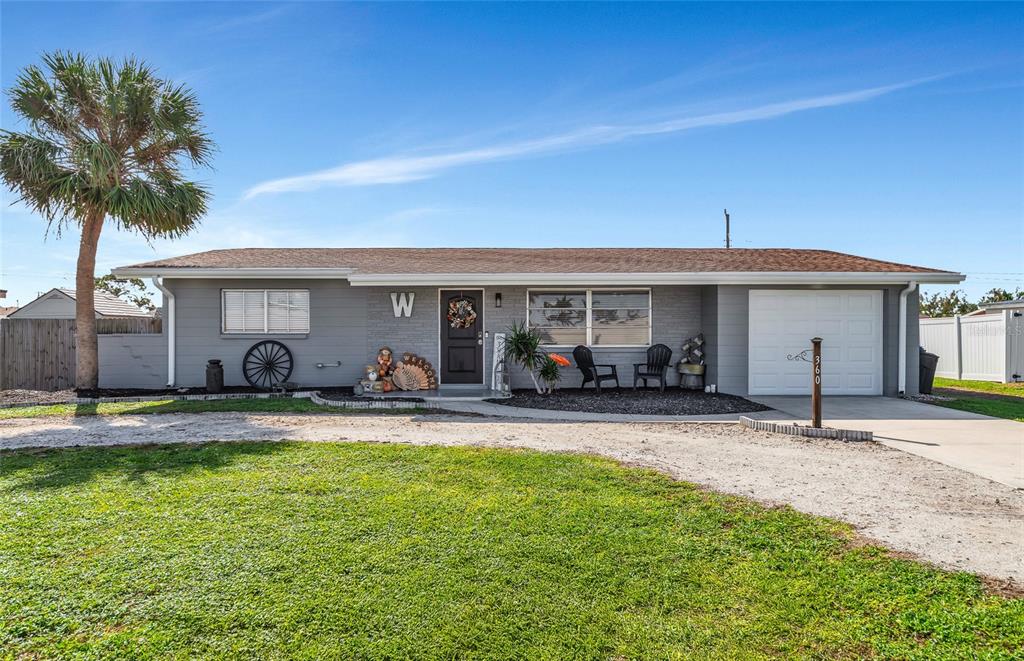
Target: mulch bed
[[34, 396], [673, 401]]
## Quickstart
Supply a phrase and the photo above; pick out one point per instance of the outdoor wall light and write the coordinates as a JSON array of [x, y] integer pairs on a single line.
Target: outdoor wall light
[[497, 300]]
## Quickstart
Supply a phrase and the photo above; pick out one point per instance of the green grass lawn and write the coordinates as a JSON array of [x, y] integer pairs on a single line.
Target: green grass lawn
[[276, 405], [353, 550], [1009, 403], [1008, 389]]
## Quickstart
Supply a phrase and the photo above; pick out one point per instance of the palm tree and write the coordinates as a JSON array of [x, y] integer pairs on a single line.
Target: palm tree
[[104, 140], [522, 347]]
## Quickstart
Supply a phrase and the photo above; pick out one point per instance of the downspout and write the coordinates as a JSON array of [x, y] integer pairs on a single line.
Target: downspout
[[902, 350], [169, 300]]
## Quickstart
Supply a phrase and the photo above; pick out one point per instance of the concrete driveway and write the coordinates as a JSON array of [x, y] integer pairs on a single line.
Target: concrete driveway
[[989, 447]]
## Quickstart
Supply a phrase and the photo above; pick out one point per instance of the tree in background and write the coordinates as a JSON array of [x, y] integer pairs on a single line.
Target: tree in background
[[132, 290], [998, 295], [949, 304], [105, 140], [955, 302]]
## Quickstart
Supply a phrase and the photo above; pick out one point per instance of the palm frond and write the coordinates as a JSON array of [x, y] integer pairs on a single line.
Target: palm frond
[[107, 137]]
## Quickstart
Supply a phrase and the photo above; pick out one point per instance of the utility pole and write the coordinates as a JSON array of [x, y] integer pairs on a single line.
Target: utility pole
[[728, 242]]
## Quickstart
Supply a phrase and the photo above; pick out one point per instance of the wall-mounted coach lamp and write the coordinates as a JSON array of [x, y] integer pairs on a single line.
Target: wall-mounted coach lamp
[[497, 300]]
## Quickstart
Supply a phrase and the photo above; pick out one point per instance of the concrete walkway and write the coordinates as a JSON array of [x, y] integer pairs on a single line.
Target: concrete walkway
[[521, 412], [985, 446]]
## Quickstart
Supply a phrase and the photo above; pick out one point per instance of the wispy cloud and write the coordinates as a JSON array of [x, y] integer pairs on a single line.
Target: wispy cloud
[[245, 20], [401, 169]]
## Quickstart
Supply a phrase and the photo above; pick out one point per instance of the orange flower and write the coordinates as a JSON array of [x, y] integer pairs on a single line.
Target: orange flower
[[561, 360]]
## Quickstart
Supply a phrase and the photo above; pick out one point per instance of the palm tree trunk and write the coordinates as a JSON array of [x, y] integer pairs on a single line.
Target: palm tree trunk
[[86, 348], [536, 383]]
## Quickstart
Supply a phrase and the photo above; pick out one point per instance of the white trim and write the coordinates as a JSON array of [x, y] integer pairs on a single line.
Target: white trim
[[241, 273], [675, 278], [483, 331], [450, 280], [590, 320], [901, 353], [171, 322], [266, 312]]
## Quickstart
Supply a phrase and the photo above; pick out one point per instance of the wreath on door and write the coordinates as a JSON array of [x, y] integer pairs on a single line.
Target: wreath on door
[[461, 313]]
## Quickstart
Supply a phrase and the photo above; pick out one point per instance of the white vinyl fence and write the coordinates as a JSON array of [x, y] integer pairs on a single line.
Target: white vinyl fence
[[988, 347]]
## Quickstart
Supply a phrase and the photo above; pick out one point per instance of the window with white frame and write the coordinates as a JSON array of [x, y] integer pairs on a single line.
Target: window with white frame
[[265, 310], [595, 317]]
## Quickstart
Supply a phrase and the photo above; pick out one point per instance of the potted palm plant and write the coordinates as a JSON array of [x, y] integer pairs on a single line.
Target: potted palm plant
[[522, 347]]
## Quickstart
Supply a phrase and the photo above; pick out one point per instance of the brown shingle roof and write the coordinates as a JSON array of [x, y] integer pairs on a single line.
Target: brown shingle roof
[[539, 260]]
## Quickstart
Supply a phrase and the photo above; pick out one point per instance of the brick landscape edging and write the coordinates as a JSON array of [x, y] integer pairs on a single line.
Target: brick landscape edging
[[811, 432]]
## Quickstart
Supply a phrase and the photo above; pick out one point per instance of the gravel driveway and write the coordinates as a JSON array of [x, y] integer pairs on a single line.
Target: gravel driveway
[[941, 514]]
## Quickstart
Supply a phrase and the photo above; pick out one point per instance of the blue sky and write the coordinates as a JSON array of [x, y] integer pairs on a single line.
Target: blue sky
[[892, 131]]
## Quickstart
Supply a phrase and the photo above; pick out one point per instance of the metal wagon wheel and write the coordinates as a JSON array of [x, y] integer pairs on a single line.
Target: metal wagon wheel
[[267, 363]]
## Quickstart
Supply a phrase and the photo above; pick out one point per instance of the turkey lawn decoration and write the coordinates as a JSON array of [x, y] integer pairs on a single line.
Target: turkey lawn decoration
[[414, 373]]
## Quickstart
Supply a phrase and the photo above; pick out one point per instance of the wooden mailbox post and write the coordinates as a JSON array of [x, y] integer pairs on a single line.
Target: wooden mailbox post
[[816, 386]]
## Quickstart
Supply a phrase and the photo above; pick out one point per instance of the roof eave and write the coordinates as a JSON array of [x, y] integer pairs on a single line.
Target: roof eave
[[674, 278], [243, 273], [571, 279]]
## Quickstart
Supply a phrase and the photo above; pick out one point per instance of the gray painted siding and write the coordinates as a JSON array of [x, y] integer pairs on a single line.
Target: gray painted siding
[[734, 319], [338, 331], [350, 323], [676, 316], [416, 333], [133, 360]]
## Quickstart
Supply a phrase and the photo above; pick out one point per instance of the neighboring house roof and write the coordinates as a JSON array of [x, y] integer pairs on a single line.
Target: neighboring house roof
[[5, 312], [369, 264], [107, 305], [1003, 305], [987, 308]]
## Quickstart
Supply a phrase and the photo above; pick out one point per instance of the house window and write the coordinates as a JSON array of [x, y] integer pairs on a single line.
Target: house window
[[595, 317], [265, 310]]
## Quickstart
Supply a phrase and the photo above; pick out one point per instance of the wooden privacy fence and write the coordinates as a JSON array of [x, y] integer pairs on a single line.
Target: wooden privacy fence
[[39, 354], [986, 347]]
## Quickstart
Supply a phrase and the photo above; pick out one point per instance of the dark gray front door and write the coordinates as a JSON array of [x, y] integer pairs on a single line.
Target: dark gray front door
[[462, 349]]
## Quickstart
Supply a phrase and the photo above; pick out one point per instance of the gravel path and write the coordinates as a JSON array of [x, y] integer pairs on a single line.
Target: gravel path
[[941, 514]]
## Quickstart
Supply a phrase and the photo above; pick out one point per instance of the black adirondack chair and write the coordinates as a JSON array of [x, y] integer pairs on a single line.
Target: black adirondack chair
[[656, 367], [591, 372]]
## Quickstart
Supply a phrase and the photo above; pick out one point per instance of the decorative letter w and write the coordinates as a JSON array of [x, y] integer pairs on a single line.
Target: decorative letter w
[[402, 303]]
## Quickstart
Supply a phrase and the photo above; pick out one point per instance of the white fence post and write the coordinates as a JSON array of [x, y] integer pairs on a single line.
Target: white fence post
[[1007, 346], [959, 344]]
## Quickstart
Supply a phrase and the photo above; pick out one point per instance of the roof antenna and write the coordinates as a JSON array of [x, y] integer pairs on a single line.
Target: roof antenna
[[728, 242]]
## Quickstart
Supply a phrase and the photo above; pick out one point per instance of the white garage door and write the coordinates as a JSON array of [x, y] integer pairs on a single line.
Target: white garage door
[[782, 323]]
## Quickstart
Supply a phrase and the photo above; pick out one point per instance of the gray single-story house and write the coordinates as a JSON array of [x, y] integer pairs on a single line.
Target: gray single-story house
[[333, 308]]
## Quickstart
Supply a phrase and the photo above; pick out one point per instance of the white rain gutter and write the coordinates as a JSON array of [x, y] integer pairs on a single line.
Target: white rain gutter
[[902, 352], [647, 279], [169, 299], [549, 279]]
